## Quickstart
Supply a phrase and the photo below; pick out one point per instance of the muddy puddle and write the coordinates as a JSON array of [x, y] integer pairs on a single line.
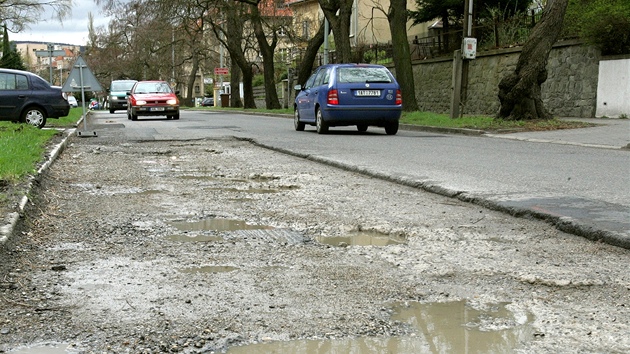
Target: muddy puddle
[[43, 349], [362, 238], [216, 224], [451, 327], [209, 269]]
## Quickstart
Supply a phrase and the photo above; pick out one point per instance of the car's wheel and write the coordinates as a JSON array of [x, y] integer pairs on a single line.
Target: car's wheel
[[299, 126], [169, 117], [322, 127], [391, 128], [134, 117], [111, 111], [362, 127], [176, 117], [128, 115], [34, 116]]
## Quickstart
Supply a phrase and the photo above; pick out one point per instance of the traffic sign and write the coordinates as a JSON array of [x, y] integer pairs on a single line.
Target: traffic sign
[[221, 71]]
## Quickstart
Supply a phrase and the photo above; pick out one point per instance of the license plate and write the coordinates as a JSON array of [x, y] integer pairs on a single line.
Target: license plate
[[370, 93], [156, 109]]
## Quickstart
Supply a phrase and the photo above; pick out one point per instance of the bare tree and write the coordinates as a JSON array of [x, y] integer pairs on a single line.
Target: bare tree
[[19, 14], [520, 92], [338, 14], [396, 16]]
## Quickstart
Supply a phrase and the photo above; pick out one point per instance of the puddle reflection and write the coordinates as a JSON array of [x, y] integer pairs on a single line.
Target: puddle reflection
[[215, 224], [43, 349], [209, 269], [452, 327], [362, 238]]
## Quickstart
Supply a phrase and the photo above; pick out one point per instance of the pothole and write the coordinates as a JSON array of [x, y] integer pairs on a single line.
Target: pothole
[[450, 327], [209, 269], [362, 238], [216, 224]]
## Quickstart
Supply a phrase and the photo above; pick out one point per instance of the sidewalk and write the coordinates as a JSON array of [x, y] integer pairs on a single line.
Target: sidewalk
[[608, 134]]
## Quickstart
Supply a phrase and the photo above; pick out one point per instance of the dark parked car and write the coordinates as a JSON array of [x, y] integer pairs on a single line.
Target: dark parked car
[[152, 98], [207, 102], [117, 97], [27, 98], [349, 94]]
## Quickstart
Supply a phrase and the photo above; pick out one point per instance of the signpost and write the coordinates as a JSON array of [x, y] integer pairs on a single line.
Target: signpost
[[80, 79], [50, 53]]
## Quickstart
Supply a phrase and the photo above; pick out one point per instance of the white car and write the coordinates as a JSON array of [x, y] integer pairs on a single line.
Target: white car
[[73, 101]]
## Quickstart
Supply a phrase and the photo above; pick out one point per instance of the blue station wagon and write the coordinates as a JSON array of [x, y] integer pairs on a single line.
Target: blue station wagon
[[28, 98], [349, 94]]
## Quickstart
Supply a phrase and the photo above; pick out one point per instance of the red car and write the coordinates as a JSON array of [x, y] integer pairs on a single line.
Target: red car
[[152, 98]]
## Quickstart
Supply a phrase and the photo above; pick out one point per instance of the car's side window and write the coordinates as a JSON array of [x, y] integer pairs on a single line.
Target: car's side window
[[319, 80], [7, 81], [310, 81], [40, 84], [22, 82]]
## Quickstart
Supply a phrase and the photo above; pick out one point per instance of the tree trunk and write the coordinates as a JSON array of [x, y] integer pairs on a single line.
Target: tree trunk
[[520, 91], [235, 81], [233, 43], [191, 80], [305, 68], [401, 53], [267, 51], [340, 25]]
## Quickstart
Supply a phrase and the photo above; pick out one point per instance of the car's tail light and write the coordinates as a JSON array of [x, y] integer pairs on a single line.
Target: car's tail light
[[333, 97], [398, 97]]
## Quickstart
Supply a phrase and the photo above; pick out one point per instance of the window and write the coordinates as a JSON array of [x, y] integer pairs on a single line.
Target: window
[[13, 82], [363, 74]]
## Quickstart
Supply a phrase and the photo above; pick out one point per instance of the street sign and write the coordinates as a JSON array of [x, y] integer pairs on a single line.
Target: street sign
[[81, 78], [50, 53], [221, 71]]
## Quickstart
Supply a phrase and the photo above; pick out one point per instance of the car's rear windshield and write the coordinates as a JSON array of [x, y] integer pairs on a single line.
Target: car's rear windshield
[[363, 74], [121, 86]]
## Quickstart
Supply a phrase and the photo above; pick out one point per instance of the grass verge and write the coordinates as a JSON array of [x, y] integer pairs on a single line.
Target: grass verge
[[21, 149], [487, 123]]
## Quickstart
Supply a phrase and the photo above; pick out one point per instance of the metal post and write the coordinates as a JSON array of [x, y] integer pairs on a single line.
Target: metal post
[[50, 53]]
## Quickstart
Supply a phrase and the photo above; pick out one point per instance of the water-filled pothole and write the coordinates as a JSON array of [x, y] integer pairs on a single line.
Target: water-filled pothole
[[194, 238], [451, 327], [43, 349], [209, 269], [216, 224], [362, 238]]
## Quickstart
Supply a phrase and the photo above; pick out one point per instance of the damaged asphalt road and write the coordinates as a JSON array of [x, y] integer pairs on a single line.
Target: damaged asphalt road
[[217, 245]]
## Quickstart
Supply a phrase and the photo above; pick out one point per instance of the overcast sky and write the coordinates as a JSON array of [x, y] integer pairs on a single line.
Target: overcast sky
[[73, 30]]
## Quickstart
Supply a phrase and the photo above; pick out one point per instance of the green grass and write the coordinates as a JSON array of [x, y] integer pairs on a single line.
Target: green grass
[[21, 148], [66, 122], [486, 123]]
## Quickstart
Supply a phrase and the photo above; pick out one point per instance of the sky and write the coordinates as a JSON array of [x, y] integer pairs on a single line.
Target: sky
[[73, 30]]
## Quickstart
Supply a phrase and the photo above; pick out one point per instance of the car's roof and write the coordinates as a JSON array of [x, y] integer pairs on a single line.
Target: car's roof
[[15, 71], [124, 80]]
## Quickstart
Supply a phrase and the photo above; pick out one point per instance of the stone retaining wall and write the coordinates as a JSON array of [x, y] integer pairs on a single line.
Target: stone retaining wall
[[570, 89]]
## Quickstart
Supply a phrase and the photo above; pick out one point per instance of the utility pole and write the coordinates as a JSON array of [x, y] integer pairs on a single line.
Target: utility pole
[[460, 65]]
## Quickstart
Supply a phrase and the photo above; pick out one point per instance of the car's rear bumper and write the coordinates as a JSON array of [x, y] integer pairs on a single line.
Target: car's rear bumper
[[59, 111], [355, 115]]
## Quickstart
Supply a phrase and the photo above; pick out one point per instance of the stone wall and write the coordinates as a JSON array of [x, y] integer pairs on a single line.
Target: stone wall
[[570, 89]]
